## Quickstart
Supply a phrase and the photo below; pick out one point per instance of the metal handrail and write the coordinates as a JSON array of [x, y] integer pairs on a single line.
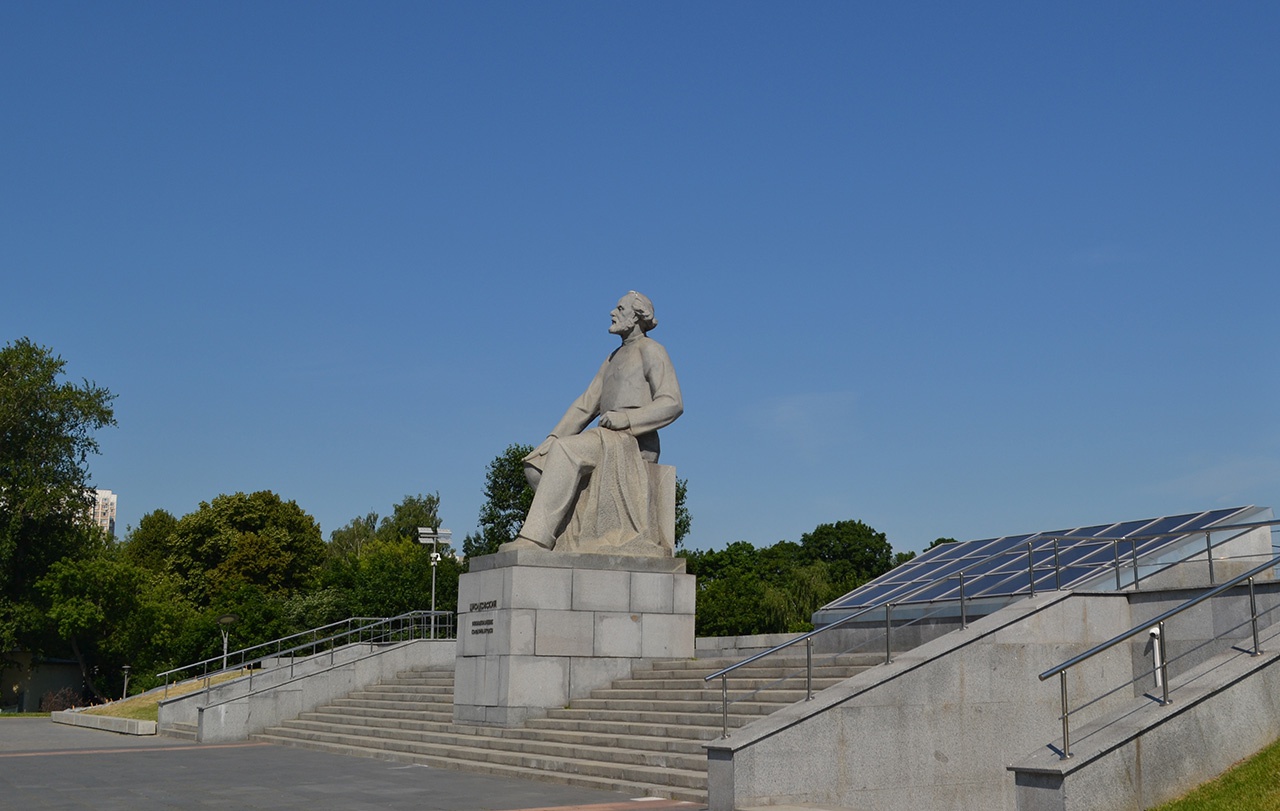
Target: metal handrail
[[1044, 541], [377, 629], [238, 655], [1145, 627], [807, 638]]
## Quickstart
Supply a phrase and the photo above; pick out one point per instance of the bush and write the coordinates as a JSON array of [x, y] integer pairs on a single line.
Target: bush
[[63, 699]]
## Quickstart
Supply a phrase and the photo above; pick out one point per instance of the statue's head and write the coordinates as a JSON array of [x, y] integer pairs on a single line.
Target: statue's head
[[634, 309]]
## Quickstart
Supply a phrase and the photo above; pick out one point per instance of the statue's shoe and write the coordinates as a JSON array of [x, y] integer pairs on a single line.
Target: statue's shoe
[[521, 542]]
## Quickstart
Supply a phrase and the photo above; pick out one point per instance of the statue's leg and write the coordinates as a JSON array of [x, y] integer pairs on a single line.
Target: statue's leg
[[566, 462]]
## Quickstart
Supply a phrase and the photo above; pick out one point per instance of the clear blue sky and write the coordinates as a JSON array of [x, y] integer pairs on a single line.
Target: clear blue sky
[[958, 269]]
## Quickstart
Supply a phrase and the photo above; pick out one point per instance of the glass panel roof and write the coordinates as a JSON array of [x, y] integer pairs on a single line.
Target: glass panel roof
[[998, 566]]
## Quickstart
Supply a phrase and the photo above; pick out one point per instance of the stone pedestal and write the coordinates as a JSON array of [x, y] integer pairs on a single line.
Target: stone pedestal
[[537, 629]]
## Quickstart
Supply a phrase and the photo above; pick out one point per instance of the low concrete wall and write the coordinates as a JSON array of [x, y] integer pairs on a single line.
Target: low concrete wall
[[185, 708], [935, 728], [232, 715], [125, 726], [1221, 712], [708, 647]]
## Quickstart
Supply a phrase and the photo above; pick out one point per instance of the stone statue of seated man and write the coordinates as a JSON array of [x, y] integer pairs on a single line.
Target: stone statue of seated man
[[599, 489]]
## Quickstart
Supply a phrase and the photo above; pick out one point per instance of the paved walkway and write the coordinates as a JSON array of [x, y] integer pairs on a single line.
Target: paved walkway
[[44, 765]]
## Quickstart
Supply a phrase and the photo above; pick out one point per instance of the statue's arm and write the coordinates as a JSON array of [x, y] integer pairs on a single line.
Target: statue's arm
[[584, 409]]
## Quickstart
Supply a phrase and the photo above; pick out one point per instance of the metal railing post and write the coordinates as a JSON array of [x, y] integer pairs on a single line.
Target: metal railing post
[[724, 705], [964, 617], [888, 633], [1133, 552], [1164, 665], [1031, 569], [1253, 618], [1208, 552], [1066, 723], [1057, 567], [1115, 547], [808, 666]]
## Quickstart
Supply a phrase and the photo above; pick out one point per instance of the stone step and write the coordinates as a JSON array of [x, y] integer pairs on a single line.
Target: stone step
[[442, 714], [451, 742], [418, 699], [594, 739], [608, 734], [642, 735], [638, 773], [179, 729], [770, 696], [636, 789], [798, 660], [668, 719], [768, 673], [791, 683], [412, 689], [327, 716], [675, 706], [704, 731], [383, 704]]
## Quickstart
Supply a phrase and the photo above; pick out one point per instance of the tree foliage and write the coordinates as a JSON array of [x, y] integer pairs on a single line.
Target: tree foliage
[[507, 497], [237, 540], [46, 438], [684, 519], [114, 612], [776, 589], [403, 523], [148, 544], [379, 568]]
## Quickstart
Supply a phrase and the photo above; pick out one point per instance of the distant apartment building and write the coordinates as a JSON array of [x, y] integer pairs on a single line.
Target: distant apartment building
[[104, 510]]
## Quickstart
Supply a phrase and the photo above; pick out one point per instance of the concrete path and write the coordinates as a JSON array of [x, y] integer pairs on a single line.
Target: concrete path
[[51, 766]]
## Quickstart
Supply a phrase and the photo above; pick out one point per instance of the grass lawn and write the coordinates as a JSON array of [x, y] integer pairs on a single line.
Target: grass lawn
[[1253, 785], [146, 706]]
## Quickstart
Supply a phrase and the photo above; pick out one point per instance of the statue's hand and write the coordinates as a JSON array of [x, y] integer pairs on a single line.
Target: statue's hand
[[615, 421]]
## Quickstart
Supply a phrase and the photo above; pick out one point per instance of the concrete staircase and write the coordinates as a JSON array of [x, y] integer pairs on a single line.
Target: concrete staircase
[[642, 735]]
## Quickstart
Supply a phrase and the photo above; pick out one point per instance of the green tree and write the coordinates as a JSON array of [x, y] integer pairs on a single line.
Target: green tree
[[853, 551], [775, 589], [377, 568], [46, 437], [684, 519], [507, 497], [147, 545], [730, 592], [257, 540], [348, 541], [113, 612], [408, 515]]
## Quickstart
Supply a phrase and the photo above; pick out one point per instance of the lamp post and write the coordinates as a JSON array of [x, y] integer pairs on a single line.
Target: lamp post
[[125, 694], [226, 621], [434, 536]]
